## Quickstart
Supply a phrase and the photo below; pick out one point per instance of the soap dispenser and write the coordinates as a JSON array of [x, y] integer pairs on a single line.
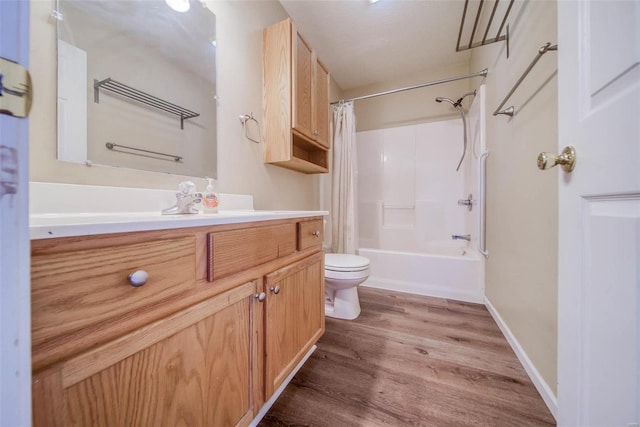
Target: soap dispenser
[[210, 199]]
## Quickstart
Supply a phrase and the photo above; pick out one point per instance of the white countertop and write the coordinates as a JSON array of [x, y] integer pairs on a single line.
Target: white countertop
[[65, 210], [48, 226]]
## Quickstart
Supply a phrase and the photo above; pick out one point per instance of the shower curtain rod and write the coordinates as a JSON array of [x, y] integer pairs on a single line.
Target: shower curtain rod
[[482, 73]]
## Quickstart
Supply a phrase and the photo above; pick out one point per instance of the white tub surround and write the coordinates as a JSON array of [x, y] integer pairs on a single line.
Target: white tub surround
[[441, 275], [411, 202], [65, 210]]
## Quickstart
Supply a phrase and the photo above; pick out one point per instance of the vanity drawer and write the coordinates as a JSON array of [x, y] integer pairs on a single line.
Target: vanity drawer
[[310, 234], [237, 250], [75, 289]]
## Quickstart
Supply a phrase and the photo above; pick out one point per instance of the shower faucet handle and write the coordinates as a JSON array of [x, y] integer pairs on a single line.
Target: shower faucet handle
[[468, 202]]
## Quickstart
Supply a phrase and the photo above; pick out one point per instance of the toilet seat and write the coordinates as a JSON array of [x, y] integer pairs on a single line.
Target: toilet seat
[[345, 263], [346, 275], [345, 266]]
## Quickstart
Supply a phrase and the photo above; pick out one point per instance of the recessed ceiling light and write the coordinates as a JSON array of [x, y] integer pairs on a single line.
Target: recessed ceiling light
[[178, 5], [373, 1]]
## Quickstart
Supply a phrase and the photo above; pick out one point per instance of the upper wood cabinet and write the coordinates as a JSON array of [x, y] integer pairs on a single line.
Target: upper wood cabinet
[[303, 58], [321, 104], [296, 101]]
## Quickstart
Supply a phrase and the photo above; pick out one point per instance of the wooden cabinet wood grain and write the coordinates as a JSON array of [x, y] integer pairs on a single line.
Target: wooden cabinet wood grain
[[303, 62], [184, 349], [237, 250], [191, 368], [310, 234], [74, 289], [295, 100], [294, 318], [321, 104]]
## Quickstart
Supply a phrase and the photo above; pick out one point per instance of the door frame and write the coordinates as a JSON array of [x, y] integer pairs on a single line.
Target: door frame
[[15, 292]]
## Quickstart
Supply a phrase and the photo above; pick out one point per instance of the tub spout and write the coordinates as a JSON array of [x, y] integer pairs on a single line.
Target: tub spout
[[466, 237]]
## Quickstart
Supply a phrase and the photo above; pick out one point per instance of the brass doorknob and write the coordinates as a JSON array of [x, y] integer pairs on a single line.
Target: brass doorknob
[[566, 160]]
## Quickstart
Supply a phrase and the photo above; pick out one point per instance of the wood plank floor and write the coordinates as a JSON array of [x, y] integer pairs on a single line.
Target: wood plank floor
[[411, 361]]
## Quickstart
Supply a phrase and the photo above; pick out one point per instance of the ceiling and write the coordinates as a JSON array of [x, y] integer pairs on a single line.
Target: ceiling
[[152, 25], [363, 43]]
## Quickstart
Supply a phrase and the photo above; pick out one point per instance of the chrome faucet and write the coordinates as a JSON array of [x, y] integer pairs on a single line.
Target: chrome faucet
[[468, 202], [186, 199], [466, 237]]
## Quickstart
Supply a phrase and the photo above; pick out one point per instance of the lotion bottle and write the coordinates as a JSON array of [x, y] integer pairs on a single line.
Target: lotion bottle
[[210, 199]]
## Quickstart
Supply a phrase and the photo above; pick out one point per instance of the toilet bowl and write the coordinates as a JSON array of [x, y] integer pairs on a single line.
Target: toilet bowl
[[342, 275]]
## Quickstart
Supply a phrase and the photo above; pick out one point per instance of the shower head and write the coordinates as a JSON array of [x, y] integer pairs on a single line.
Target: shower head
[[457, 103], [458, 106], [440, 99]]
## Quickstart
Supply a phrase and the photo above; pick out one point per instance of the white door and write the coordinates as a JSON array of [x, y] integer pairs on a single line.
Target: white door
[[599, 217], [15, 328]]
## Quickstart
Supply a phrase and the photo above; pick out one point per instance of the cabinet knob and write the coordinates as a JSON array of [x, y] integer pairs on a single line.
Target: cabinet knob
[[275, 290], [138, 278], [261, 296], [316, 233]]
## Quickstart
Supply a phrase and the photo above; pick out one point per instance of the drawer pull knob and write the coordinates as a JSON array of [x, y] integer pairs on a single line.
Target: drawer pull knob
[[261, 296], [275, 290], [316, 233], [138, 278]]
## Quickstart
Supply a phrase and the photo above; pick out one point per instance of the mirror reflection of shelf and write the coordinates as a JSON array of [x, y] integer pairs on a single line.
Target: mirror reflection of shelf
[[142, 97]]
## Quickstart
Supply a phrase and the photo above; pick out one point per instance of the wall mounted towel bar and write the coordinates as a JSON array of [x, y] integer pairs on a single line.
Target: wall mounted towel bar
[[510, 110], [112, 146], [141, 97]]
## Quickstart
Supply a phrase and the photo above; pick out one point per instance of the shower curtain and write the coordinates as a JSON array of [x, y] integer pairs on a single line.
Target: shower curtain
[[344, 180]]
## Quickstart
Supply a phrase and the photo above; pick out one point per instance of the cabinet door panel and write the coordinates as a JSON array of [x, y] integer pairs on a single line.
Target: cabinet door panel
[[321, 104], [194, 372], [302, 84], [294, 318]]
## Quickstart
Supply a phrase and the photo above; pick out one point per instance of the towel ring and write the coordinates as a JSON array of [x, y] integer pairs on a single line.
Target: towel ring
[[244, 119]]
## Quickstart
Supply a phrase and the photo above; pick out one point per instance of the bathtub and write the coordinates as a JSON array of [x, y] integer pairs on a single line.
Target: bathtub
[[439, 269]]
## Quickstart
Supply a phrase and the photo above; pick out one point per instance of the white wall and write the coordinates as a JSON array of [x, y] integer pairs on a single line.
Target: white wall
[[522, 219], [239, 74]]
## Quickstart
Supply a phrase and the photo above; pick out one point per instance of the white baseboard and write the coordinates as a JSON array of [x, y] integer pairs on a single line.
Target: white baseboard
[[541, 385], [269, 403]]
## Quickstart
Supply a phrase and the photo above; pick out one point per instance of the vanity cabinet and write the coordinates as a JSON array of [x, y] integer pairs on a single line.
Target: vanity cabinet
[[227, 313], [296, 101], [294, 318]]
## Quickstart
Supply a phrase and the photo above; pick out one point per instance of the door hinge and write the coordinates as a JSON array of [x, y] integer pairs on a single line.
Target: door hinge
[[16, 92], [8, 170]]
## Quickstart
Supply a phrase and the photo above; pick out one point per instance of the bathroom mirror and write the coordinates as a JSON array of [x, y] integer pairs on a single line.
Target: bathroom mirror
[[137, 85]]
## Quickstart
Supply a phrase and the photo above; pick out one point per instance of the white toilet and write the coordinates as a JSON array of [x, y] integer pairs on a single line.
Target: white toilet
[[342, 275]]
